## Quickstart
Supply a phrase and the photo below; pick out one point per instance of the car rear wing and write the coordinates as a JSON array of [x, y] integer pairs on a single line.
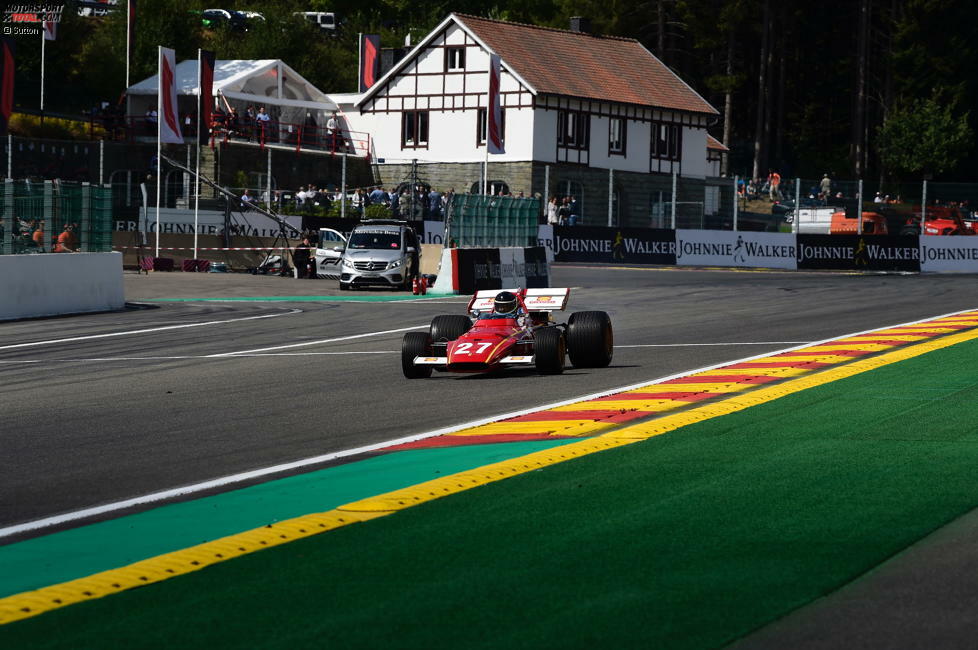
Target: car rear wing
[[533, 299]]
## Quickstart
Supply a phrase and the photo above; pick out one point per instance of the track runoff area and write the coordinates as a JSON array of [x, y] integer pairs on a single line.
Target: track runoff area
[[783, 477]]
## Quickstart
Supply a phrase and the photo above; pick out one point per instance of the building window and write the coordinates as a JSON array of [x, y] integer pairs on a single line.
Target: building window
[[454, 58], [414, 130], [481, 125], [573, 129], [616, 136], [666, 141]]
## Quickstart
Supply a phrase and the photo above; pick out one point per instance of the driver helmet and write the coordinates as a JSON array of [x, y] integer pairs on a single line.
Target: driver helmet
[[505, 302]]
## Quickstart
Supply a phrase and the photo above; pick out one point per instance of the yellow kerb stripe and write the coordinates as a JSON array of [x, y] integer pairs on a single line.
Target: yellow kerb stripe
[[32, 603]]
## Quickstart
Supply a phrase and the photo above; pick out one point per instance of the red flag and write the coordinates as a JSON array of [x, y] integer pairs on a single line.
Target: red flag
[[205, 90], [494, 115], [369, 60], [6, 83], [50, 30], [131, 29], [168, 120]]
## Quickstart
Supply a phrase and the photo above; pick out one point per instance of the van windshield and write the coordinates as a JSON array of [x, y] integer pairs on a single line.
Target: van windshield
[[375, 240]]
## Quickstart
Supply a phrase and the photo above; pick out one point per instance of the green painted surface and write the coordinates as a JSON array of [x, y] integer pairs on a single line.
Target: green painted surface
[[687, 540], [79, 552]]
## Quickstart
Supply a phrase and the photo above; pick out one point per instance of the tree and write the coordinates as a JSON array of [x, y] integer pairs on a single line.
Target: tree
[[924, 137]]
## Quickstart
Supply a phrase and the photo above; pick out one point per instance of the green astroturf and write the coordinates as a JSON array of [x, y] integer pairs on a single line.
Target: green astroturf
[[688, 540]]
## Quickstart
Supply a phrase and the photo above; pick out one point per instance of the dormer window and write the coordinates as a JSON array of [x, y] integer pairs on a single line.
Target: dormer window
[[454, 59]]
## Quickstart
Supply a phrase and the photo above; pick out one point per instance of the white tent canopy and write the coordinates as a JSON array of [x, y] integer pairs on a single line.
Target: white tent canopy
[[265, 82]]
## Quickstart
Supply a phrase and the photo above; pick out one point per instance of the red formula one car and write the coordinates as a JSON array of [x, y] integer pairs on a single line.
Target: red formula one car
[[486, 341]]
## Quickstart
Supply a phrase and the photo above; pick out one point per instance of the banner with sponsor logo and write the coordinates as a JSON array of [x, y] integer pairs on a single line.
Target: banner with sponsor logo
[[948, 254], [773, 250], [175, 221], [603, 245], [859, 252], [475, 269]]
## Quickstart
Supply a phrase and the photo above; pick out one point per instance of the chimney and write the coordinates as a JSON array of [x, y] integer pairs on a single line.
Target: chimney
[[580, 25]]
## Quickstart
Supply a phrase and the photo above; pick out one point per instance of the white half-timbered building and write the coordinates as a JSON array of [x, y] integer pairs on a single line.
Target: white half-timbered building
[[575, 105]]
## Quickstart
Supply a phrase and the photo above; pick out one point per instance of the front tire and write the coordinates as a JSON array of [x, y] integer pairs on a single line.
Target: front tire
[[590, 339], [449, 327], [549, 348], [415, 344]]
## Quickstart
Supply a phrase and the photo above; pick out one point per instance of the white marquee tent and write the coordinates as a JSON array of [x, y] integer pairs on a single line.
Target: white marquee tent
[[286, 95]]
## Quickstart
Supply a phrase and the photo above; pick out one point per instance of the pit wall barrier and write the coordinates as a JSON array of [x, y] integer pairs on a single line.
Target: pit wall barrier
[[60, 283], [467, 270], [748, 249]]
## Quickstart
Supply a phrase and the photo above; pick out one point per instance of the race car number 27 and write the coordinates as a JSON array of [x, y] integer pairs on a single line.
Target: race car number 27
[[466, 348]]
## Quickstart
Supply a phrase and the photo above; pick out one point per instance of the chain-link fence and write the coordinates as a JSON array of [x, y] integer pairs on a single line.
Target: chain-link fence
[[54, 216], [476, 220]]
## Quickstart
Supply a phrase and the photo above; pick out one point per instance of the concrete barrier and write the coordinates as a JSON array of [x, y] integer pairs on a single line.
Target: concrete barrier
[[60, 283]]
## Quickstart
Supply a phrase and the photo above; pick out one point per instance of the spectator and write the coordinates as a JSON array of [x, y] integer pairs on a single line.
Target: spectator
[[825, 187], [234, 123], [67, 242], [301, 257], [378, 196], [552, 208], [246, 200], [250, 118], [878, 198], [574, 212], [434, 204], [394, 199], [563, 212], [357, 201], [263, 124], [332, 126], [774, 185], [151, 120], [38, 236]]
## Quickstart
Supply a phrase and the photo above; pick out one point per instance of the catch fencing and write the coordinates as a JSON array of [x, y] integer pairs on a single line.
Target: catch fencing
[[33, 215], [477, 220]]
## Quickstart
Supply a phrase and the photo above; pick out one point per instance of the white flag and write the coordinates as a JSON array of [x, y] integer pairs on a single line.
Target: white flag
[[168, 115], [494, 116]]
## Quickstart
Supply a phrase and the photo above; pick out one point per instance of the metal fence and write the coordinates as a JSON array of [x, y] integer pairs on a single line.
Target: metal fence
[[34, 215], [477, 220], [900, 202]]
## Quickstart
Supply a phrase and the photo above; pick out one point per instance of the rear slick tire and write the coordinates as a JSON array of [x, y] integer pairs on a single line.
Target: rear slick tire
[[590, 339], [415, 344], [549, 348]]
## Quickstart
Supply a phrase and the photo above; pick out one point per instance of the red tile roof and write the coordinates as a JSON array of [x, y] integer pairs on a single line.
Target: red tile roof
[[605, 68], [716, 145]]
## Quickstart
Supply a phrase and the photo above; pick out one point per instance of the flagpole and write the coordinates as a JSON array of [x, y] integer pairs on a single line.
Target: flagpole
[[200, 101], [129, 39], [43, 40], [159, 147]]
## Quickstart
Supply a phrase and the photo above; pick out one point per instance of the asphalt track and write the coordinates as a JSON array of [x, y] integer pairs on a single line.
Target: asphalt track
[[96, 420]]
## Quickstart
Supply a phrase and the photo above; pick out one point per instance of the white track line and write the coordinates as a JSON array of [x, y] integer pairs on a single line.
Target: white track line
[[694, 345], [320, 341], [145, 331], [231, 479]]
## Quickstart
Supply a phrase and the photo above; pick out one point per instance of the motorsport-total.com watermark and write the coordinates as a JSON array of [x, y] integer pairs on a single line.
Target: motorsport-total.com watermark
[[26, 18]]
